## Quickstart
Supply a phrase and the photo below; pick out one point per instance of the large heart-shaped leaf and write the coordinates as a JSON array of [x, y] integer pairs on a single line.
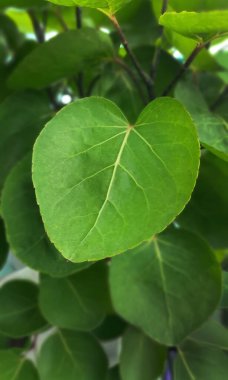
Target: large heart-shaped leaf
[[176, 281], [64, 55], [16, 367], [77, 355], [105, 176], [202, 25], [20, 315], [25, 231]]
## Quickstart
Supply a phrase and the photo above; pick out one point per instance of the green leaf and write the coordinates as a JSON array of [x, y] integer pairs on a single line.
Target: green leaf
[[22, 3], [196, 5], [196, 362], [212, 130], [62, 56], [3, 245], [20, 315], [18, 129], [112, 327], [213, 334], [16, 367], [176, 281], [141, 358], [113, 374], [224, 300], [24, 226], [108, 6], [199, 26], [78, 302], [71, 354], [113, 174], [206, 213]]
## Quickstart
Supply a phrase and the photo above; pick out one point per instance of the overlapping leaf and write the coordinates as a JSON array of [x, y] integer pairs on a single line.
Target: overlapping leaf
[[176, 281], [108, 6], [16, 367]]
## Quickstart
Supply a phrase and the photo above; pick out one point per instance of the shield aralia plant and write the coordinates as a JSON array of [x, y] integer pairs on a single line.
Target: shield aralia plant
[[117, 203]]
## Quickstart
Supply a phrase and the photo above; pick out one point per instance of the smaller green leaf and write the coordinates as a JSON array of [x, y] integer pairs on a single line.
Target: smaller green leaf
[[213, 334], [16, 367], [200, 26], [176, 281], [22, 3], [71, 354], [3, 245], [78, 302], [212, 130], [199, 362], [62, 56], [25, 230], [206, 213], [141, 358], [20, 315]]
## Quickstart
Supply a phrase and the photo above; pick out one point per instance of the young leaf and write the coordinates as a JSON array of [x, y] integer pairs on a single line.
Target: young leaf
[[78, 302], [206, 214], [141, 358], [112, 175], [108, 6], [19, 126], [199, 26], [3, 245], [62, 56], [24, 226], [77, 355], [176, 281], [213, 130], [20, 315], [196, 362], [16, 367]]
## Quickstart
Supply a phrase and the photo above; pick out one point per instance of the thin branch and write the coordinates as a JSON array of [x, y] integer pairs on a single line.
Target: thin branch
[[145, 78], [184, 68], [133, 77], [58, 15], [157, 53], [40, 36], [38, 29], [78, 14]]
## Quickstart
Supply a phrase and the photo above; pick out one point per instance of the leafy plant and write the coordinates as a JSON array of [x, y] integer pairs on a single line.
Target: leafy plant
[[118, 200]]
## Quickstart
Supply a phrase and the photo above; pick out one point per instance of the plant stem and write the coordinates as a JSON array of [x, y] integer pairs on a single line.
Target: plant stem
[[38, 29], [157, 53], [184, 68], [145, 78], [78, 13], [40, 36], [60, 18]]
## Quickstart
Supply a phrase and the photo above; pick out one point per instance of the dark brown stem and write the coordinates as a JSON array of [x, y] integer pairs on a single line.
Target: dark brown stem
[[78, 14], [220, 98], [157, 52], [60, 19], [38, 29], [145, 78], [184, 68], [40, 36]]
